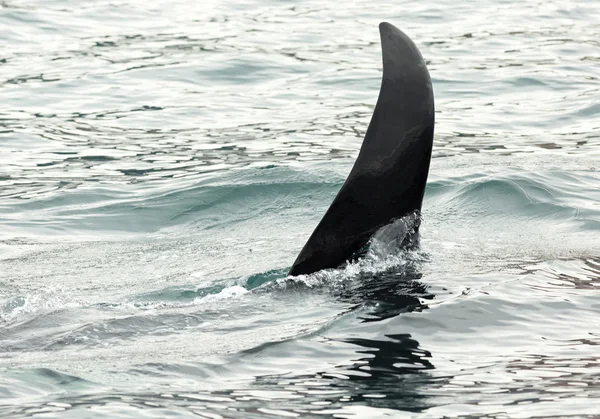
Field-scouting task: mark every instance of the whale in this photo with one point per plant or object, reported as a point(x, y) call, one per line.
point(387, 181)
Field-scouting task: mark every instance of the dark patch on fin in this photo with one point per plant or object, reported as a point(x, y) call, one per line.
point(389, 176)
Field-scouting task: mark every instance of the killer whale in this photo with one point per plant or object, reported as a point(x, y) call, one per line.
point(388, 178)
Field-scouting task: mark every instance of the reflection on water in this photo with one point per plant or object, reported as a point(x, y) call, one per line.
point(389, 293)
point(385, 374)
point(380, 373)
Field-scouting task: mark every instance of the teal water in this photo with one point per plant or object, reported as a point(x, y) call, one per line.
point(162, 164)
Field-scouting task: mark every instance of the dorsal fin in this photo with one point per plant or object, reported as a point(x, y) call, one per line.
point(389, 176)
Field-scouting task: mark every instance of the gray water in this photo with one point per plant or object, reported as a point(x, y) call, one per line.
point(162, 164)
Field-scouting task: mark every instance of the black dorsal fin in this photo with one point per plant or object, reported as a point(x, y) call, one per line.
point(389, 176)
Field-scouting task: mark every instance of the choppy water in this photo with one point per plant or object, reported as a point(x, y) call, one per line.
point(162, 163)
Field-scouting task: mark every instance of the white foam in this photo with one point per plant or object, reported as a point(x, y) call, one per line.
point(387, 249)
point(228, 293)
point(45, 300)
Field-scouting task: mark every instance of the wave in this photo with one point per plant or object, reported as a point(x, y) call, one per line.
point(262, 192)
point(551, 196)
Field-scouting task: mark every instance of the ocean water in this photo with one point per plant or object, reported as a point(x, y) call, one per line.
point(163, 163)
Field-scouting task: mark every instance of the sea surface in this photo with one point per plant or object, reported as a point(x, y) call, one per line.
point(162, 164)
